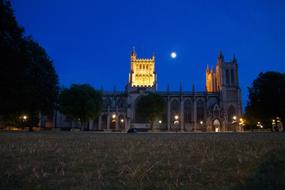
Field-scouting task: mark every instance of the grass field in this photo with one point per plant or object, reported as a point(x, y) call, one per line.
point(78, 160)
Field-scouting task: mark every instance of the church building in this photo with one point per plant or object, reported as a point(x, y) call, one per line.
point(214, 110)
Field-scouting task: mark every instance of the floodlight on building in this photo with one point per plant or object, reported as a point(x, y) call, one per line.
point(241, 122)
point(122, 120)
point(176, 117)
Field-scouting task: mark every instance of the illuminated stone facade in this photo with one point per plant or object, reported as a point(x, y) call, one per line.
point(216, 109)
point(142, 72)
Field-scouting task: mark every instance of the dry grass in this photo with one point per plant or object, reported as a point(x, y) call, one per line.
point(78, 160)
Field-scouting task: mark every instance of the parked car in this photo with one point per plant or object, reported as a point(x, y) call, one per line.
point(132, 130)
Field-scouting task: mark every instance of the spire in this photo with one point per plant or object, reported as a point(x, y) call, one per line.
point(193, 87)
point(115, 89)
point(133, 52)
point(208, 69)
point(153, 56)
point(234, 59)
point(212, 70)
point(220, 56)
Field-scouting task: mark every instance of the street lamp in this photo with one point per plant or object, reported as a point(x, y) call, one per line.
point(259, 124)
point(176, 117)
point(201, 122)
point(113, 116)
point(241, 123)
point(234, 123)
point(176, 122)
point(159, 121)
point(25, 117)
point(122, 120)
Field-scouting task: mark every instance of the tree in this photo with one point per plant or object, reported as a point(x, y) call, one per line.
point(81, 102)
point(150, 107)
point(28, 80)
point(266, 98)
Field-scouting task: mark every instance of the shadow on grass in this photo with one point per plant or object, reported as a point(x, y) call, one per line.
point(270, 174)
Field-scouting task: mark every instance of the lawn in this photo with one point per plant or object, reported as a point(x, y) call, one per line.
point(86, 160)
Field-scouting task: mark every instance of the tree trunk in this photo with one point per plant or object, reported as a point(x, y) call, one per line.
point(82, 124)
point(40, 120)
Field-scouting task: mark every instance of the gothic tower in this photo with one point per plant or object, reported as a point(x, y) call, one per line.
point(142, 72)
point(225, 81)
point(228, 84)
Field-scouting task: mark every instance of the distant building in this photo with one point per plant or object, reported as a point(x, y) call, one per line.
point(216, 109)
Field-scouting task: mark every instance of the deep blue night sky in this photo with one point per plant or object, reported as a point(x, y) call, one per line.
point(90, 40)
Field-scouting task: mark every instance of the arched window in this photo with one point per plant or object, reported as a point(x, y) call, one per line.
point(104, 121)
point(174, 109)
point(232, 77)
point(227, 77)
point(231, 113)
point(121, 122)
point(187, 111)
point(200, 111)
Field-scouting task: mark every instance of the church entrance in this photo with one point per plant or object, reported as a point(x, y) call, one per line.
point(216, 125)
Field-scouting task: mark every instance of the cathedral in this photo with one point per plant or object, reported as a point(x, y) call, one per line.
point(216, 109)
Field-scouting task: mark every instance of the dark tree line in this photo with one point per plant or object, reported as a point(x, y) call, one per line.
point(266, 99)
point(29, 83)
point(28, 80)
point(80, 102)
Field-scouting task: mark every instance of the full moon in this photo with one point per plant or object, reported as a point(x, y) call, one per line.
point(173, 55)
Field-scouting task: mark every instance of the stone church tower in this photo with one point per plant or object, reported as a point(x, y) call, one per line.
point(142, 73)
point(225, 81)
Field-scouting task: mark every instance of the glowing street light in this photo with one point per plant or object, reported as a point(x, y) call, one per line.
point(241, 121)
point(176, 117)
point(25, 117)
point(259, 124)
point(122, 120)
point(201, 122)
point(113, 116)
point(159, 121)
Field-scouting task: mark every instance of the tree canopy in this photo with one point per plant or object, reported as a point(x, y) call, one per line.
point(150, 107)
point(28, 80)
point(266, 98)
point(80, 102)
